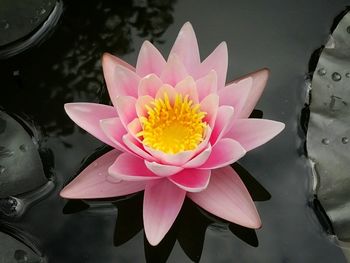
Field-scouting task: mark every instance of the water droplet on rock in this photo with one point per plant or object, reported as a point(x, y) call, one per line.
point(2, 169)
point(336, 76)
point(347, 75)
point(321, 72)
point(325, 141)
point(348, 29)
point(345, 140)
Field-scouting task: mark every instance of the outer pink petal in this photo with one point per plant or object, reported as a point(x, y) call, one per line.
point(191, 180)
point(236, 95)
point(92, 181)
point(174, 71)
point(225, 152)
point(149, 60)
point(223, 123)
point(188, 87)
point(109, 61)
point(259, 82)
point(207, 85)
point(126, 109)
point(228, 198)
point(186, 47)
point(114, 130)
point(130, 168)
point(162, 169)
point(161, 205)
point(88, 116)
point(120, 80)
point(251, 133)
point(149, 85)
point(199, 159)
point(218, 61)
point(210, 105)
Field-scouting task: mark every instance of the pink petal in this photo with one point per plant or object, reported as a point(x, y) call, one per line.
point(174, 71)
point(224, 152)
point(149, 60)
point(177, 159)
point(141, 105)
point(223, 123)
point(236, 95)
point(251, 133)
point(109, 61)
point(228, 198)
point(92, 181)
point(128, 167)
point(259, 82)
point(191, 180)
point(186, 47)
point(188, 87)
point(199, 159)
point(120, 80)
point(161, 205)
point(134, 127)
point(125, 106)
point(169, 90)
point(149, 85)
point(218, 61)
point(207, 85)
point(162, 169)
point(210, 105)
point(135, 146)
point(114, 130)
point(88, 116)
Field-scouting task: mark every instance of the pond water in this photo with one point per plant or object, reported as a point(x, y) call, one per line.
point(66, 67)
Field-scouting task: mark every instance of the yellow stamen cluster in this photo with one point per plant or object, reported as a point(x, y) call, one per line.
point(172, 127)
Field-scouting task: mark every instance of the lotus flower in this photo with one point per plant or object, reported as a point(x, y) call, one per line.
point(176, 128)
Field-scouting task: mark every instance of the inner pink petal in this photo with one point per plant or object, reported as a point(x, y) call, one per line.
point(191, 180)
point(174, 71)
point(149, 85)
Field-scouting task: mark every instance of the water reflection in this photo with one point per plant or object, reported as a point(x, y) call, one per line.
point(67, 67)
point(189, 228)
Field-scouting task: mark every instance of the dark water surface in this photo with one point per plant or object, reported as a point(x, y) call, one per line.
point(280, 35)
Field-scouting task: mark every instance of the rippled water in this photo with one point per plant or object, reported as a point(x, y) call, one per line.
point(66, 67)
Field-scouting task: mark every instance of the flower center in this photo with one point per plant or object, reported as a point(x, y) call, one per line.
point(173, 127)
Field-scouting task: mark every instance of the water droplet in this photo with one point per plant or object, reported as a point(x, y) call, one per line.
point(347, 75)
point(321, 72)
point(345, 140)
point(6, 26)
point(348, 29)
point(42, 11)
point(8, 206)
point(336, 76)
point(20, 256)
point(2, 169)
point(325, 141)
point(15, 73)
point(23, 148)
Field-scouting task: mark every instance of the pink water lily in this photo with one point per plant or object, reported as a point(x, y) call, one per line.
point(175, 128)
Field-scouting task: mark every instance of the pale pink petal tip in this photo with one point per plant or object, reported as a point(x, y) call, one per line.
point(251, 133)
point(88, 116)
point(228, 198)
point(161, 205)
point(92, 182)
